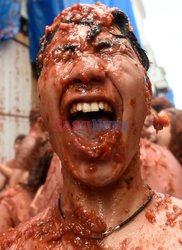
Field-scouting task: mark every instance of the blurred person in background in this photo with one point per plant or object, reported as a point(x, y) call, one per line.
point(29, 151)
point(159, 169)
point(33, 156)
point(160, 102)
point(170, 136)
point(48, 193)
point(15, 202)
point(34, 144)
point(8, 169)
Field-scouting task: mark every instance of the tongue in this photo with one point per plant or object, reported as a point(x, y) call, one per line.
point(90, 125)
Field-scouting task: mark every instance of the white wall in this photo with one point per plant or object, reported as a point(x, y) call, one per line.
point(162, 28)
point(15, 94)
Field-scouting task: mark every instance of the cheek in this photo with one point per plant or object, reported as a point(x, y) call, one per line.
point(164, 137)
point(50, 90)
point(128, 78)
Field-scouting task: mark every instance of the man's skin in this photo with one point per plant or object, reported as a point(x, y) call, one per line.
point(102, 182)
point(33, 154)
point(15, 206)
point(160, 169)
point(21, 202)
point(13, 176)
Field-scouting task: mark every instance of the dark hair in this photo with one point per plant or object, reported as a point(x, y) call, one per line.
point(19, 137)
point(160, 102)
point(119, 19)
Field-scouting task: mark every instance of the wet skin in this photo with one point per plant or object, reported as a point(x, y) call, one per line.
point(102, 182)
point(105, 69)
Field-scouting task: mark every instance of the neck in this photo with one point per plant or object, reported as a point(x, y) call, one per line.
point(112, 204)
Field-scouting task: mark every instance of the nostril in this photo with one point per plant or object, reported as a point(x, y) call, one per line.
point(77, 80)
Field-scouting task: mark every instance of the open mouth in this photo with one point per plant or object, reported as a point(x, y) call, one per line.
point(89, 119)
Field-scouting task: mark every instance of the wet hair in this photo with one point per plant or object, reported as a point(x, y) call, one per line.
point(119, 19)
point(19, 138)
point(33, 116)
point(160, 102)
point(176, 132)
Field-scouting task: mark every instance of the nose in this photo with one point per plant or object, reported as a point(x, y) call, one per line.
point(87, 70)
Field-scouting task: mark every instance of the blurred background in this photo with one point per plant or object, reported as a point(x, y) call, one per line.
point(157, 24)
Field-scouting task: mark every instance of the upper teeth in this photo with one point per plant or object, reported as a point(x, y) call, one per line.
point(90, 107)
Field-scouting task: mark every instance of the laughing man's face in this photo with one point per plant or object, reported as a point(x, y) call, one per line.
point(90, 80)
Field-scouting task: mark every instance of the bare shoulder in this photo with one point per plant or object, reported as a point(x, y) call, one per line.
point(159, 227)
point(167, 209)
point(42, 231)
point(163, 222)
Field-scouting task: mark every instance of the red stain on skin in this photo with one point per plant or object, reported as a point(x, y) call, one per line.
point(92, 169)
point(126, 211)
point(47, 116)
point(163, 202)
point(133, 102)
point(150, 216)
point(129, 181)
point(134, 131)
point(180, 224)
point(120, 157)
point(160, 122)
point(132, 124)
point(172, 216)
point(49, 231)
point(180, 241)
point(125, 243)
point(138, 248)
point(79, 226)
point(75, 14)
point(83, 223)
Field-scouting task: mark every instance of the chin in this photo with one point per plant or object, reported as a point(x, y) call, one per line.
point(97, 174)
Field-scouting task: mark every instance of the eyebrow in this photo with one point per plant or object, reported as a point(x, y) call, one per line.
point(65, 47)
point(103, 44)
point(69, 46)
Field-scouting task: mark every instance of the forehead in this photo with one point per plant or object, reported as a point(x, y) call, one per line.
point(74, 33)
